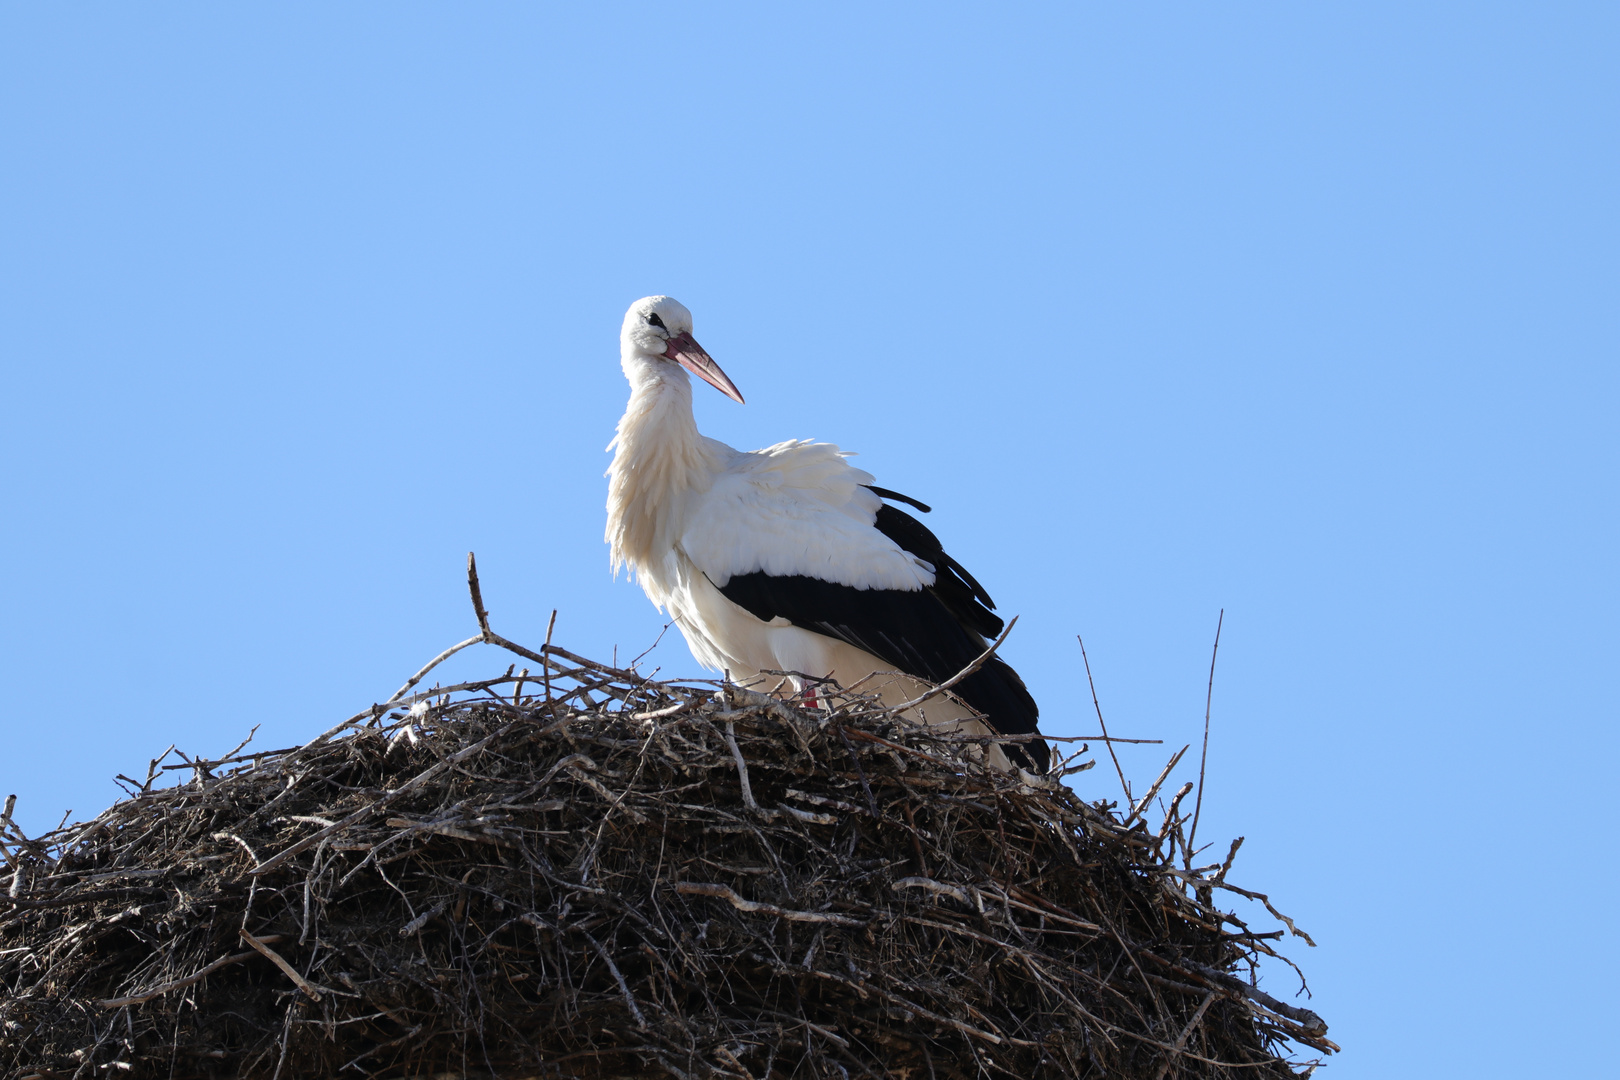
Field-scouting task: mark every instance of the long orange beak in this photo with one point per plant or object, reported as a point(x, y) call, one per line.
point(690, 355)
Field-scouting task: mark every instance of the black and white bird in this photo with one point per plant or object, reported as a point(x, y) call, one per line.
point(789, 558)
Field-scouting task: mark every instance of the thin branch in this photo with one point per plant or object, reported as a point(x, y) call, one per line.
point(477, 593)
point(624, 987)
point(260, 945)
point(742, 767)
point(1197, 1018)
point(180, 984)
point(1203, 758)
point(1175, 805)
point(1102, 738)
point(545, 654)
point(644, 652)
point(414, 679)
point(152, 769)
point(964, 673)
point(1312, 1023)
point(724, 892)
point(1123, 786)
point(1147, 799)
point(1227, 865)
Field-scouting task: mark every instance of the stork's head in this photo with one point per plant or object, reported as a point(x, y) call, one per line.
point(658, 330)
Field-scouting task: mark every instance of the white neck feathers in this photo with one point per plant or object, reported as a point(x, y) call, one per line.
point(659, 462)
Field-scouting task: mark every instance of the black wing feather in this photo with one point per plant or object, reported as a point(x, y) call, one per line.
point(895, 496)
point(932, 633)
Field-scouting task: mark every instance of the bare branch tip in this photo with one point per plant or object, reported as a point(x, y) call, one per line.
point(477, 593)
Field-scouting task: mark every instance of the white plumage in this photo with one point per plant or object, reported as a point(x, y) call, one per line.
point(774, 559)
point(797, 508)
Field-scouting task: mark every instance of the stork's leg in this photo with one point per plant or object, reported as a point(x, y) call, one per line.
point(806, 692)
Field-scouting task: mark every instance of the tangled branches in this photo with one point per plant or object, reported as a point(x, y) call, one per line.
point(597, 875)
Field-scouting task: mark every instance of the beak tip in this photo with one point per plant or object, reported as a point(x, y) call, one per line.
point(690, 355)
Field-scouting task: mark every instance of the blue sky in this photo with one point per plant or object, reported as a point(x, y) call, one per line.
point(1306, 312)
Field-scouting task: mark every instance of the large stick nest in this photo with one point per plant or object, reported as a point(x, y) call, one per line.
point(598, 875)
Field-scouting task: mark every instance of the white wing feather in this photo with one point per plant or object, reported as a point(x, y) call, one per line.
point(797, 508)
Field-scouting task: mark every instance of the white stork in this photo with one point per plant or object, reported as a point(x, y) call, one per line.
point(788, 558)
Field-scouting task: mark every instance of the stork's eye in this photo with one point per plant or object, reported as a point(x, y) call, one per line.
point(656, 321)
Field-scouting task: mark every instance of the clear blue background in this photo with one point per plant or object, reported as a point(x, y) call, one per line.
point(1306, 311)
